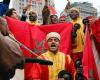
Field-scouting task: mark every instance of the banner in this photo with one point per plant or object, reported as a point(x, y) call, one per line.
point(96, 34)
point(89, 65)
point(34, 37)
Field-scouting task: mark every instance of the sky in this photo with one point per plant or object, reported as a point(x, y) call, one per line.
point(60, 4)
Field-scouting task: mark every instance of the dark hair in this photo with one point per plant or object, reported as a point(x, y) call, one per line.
point(32, 12)
point(10, 12)
point(78, 63)
point(53, 15)
point(65, 74)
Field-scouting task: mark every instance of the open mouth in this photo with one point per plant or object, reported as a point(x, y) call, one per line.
point(53, 45)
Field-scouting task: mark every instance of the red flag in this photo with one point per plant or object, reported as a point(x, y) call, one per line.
point(34, 37)
point(52, 9)
point(89, 65)
point(21, 32)
point(95, 26)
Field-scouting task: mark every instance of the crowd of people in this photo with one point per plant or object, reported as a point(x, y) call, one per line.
point(64, 66)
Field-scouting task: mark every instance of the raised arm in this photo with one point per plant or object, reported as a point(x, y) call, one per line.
point(45, 13)
point(67, 5)
point(24, 12)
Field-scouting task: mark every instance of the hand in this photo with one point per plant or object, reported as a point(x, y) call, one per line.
point(4, 27)
point(11, 54)
point(26, 8)
point(46, 2)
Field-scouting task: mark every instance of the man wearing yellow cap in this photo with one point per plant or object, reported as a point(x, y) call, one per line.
point(59, 59)
point(78, 45)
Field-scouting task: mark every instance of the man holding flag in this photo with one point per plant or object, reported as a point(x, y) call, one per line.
point(89, 64)
point(77, 46)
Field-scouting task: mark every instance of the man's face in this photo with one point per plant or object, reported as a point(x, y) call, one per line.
point(14, 14)
point(32, 16)
point(54, 19)
point(74, 14)
point(53, 44)
point(62, 20)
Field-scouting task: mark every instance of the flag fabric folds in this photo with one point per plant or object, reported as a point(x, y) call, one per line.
point(89, 65)
point(34, 37)
point(96, 34)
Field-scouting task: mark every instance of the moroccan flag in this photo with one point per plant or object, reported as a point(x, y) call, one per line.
point(89, 65)
point(34, 37)
point(31, 35)
point(95, 26)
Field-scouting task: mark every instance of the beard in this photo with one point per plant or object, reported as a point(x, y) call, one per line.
point(32, 18)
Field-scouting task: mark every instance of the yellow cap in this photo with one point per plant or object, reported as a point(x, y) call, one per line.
point(53, 34)
point(74, 9)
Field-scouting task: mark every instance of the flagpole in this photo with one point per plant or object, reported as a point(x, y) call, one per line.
point(23, 46)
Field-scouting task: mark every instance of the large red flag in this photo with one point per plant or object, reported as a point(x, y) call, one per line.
point(63, 29)
point(89, 65)
point(34, 37)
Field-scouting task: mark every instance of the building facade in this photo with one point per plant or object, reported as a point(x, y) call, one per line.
point(37, 6)
point(85, 8)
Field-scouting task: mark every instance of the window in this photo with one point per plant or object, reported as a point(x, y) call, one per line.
point(22, 0)
point(33, 2)
point(19, 3)
point(19, 7)
point(26, 0)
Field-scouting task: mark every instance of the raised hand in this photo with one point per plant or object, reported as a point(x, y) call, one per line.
point(46, 2)
point(26, 8)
